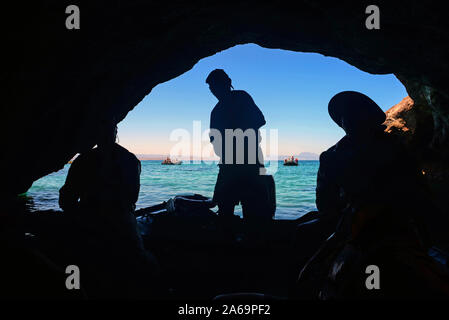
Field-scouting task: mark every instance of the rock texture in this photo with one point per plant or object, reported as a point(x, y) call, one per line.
point(58, 83)
point(412, 124)
point(400, 118)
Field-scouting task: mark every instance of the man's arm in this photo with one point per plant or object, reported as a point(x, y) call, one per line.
point(137, 181)
point(215, 135)
point(69, 193)
point(212, 126)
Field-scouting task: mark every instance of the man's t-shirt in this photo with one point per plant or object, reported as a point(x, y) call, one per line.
point(237, 111)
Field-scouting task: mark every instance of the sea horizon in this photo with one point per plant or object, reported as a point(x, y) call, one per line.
point(302, 156)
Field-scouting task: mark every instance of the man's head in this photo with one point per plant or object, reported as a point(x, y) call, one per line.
point(108, 132)
point(219, 83)
point(355, 113)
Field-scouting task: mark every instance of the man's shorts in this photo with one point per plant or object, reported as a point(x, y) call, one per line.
point(239, 184)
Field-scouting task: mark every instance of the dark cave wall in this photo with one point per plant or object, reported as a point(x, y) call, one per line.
point(58, 83)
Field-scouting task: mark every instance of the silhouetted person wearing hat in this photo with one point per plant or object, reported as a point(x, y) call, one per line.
point(367, 167)
point(369, 182)
point(235, 122)
point(100, 193)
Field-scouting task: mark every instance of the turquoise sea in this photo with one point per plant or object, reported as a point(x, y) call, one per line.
point(295, 186)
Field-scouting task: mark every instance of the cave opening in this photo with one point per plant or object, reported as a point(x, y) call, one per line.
point(292, 89)
point(59, 82)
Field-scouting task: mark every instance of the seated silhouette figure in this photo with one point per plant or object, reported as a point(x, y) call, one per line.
point(235, 122)
point(104, 182)
point(370, 184)
point(100, 193)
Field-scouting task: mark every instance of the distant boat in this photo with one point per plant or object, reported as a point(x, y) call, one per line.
point(291, 161)
point(169, 161)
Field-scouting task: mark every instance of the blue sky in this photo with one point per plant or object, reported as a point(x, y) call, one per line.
point(292, 89)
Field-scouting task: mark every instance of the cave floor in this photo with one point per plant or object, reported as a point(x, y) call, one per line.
point(205, 259)
point(201, 258)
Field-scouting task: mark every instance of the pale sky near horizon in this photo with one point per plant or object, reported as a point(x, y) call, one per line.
point(292, 90)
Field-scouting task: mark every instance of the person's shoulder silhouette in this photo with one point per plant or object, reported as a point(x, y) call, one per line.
point(250, 114)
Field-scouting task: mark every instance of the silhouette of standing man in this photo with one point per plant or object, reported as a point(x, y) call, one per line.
point(235, 122)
